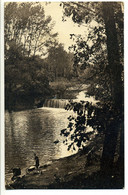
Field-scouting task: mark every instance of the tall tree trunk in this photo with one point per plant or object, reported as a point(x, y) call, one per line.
point(115, 70)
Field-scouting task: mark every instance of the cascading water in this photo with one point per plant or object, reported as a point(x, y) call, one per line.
point(55, 103)
point(61, 103)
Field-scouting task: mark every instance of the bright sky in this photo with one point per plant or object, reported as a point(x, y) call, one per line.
point(64, 29)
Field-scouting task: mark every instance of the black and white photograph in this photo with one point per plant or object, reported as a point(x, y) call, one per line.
point(64, 95)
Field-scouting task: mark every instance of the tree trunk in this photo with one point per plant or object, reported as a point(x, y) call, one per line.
point(115, 70)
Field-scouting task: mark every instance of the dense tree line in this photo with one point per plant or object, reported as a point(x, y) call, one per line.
point(32, 55)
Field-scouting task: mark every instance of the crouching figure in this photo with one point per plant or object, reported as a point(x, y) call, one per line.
point(16, 173)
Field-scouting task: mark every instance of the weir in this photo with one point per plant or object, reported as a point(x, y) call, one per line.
point(55, 103)
point(61, 103)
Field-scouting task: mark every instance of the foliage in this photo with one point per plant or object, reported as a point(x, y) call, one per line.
point(28, 36)
point(27, 26)
point(90, 51)
point(60, 62)
point(77, 130)
point(26, 79)
point(98, 70)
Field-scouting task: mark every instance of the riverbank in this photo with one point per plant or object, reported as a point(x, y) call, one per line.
point(73, 172)
point(65, 89)
point(61, 88)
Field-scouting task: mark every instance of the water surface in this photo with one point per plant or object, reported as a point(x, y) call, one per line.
point(34, 131)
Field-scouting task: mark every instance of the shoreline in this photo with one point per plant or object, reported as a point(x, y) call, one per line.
point(61, 171)
point(73, 172)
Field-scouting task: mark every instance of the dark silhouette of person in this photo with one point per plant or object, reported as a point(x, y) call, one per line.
point(36, 161)
point(16, 173)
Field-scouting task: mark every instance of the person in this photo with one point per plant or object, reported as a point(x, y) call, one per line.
point(37, 161)
point(16, 173)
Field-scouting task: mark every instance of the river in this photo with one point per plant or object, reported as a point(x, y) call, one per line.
point(34, 131)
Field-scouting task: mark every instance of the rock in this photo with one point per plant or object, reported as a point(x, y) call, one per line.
point(31, 168)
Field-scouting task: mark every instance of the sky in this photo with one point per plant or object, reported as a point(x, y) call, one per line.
point(64, 29)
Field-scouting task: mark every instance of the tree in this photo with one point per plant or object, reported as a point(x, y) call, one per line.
point(115, 69)
point(27, 26)
point(26, 83)
point(28, 36)
point(59, 62)
point(107, 116)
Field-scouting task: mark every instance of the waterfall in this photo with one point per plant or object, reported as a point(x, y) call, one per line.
point(61, 103)
point(55, 103)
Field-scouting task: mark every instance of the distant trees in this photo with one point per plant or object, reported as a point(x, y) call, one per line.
point(105, 76)
point(60, 63)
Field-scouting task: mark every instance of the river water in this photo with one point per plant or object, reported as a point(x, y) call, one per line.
point(34, 131)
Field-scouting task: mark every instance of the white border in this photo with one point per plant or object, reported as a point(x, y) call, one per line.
point(2, 148)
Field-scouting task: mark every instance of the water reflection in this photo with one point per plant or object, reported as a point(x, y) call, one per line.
point(34, 131)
